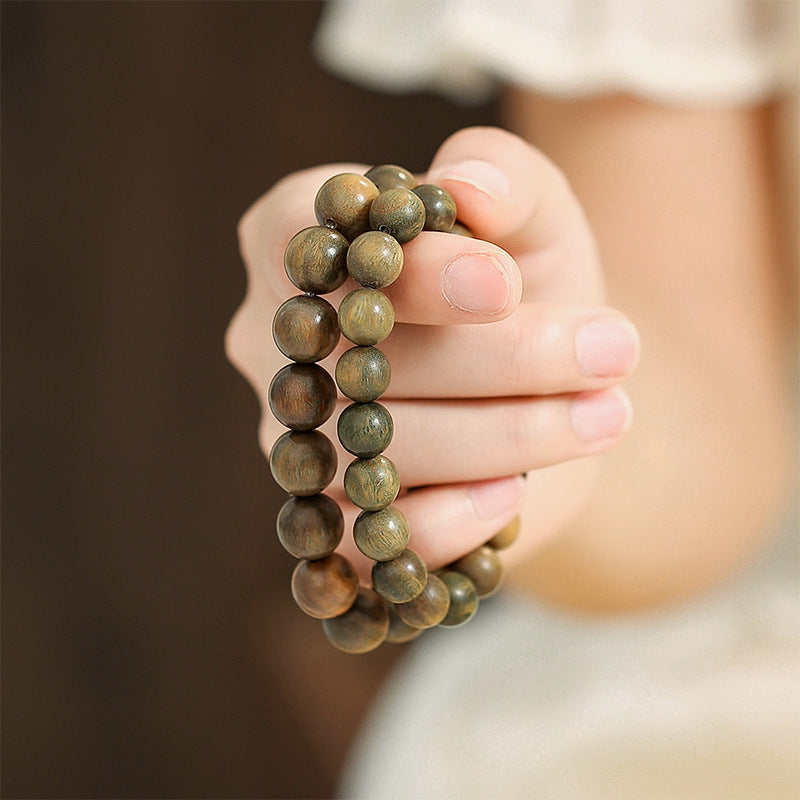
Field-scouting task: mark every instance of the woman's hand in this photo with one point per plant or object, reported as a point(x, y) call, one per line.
point(504, 359)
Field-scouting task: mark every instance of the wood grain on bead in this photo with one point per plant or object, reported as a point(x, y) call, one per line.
point(365, 429)
point(316, 260)
point(375, 259)
point(440, 208)
point(399, 632)
point(306, 328)
point(371, 483)
point(381, 535)
point(310, 527)
point(366, 316)
point(429, 608)
point(398, 212)
point(363, 627)
point(463, 599)
point(484, 568)
point(303, 463)
point(324, 588)
point(363, 374)
point(343, 202)
point(506, 536)
point(302, 396)
point(390, 176)
point(400, 579)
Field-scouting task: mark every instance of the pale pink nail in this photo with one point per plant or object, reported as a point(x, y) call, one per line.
point(601, 415)
point(476, 283)
point(492, 499)
point(607, 347)
point(481, 175)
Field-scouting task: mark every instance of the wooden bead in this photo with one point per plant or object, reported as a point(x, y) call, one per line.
point(463, 598)
point(310, 527)
point(303, 463)
point(363, 374)
point(484, 568)
point(316, 260)
point(375, 259)
point(440, 208)
point(401, 579)
point(381, 535)
point(343, 202)
point(325, 588)
point(399, 632)
point(302, 396)
point(461, 229)
point(371, 483)
point(390, 176)
point(505, 536)
point(429, 607)
point(366, 316)
point(306, 328)
point(365, 429)
point(363, 627)
point(398, 212)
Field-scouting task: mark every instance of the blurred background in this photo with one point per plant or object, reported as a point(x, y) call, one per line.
point(150, 644)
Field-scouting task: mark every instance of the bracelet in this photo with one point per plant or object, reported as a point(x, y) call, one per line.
point(363, 222)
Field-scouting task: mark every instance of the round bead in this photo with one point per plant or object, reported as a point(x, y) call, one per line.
point(428, 608)
point(461, 229)
point(440, 208)
point(303, 463)
point(324, 588)
point(381, 535)
point(306, 328)
point(302, 396)
point(390, 176)
point(399, 632)
point(310, 527)
point(366, 316)
point(505, 536)
point(398, 212)
point(363, 627)
point(316, 260)
point(375, 259)
point(371, 483)
point(463, 599)
point(400, 579)
point(365, 429)
point(363, 374)
point(484, 568)
point(343, 202)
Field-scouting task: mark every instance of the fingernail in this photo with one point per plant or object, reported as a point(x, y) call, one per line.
point(476, 283)
point(607, 347)
point(601, 415)
point(481, 175)
point(492, 499)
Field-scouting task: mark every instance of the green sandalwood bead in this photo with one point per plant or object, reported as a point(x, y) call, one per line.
point(400, 579)
point(428, 608)
point(366, 316)
point(463, 599)
point(371, 483)
point(316, 260)
point(440, 208)
point(363, 374)
point(310, 527)
point(381, 535)
point(398, 212)
point(343, 202)
point(325, 588)
point(306, 328)
point(365, 429)
point(484, 568)
point(505, 536)
point(303, 463)
point(375, 259)
point(399, 632)
point(302, 396)
point(390, 176)
point(461, 229)
point(363, 627)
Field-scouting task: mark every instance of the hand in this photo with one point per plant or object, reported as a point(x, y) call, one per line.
point(504, 360)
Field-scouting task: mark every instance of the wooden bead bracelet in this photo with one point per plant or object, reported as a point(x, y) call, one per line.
point(363, 222)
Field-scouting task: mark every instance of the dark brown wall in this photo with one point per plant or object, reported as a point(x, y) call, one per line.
point(150, 646)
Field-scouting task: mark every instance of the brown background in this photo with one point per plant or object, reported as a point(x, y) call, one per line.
point(150, 646)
